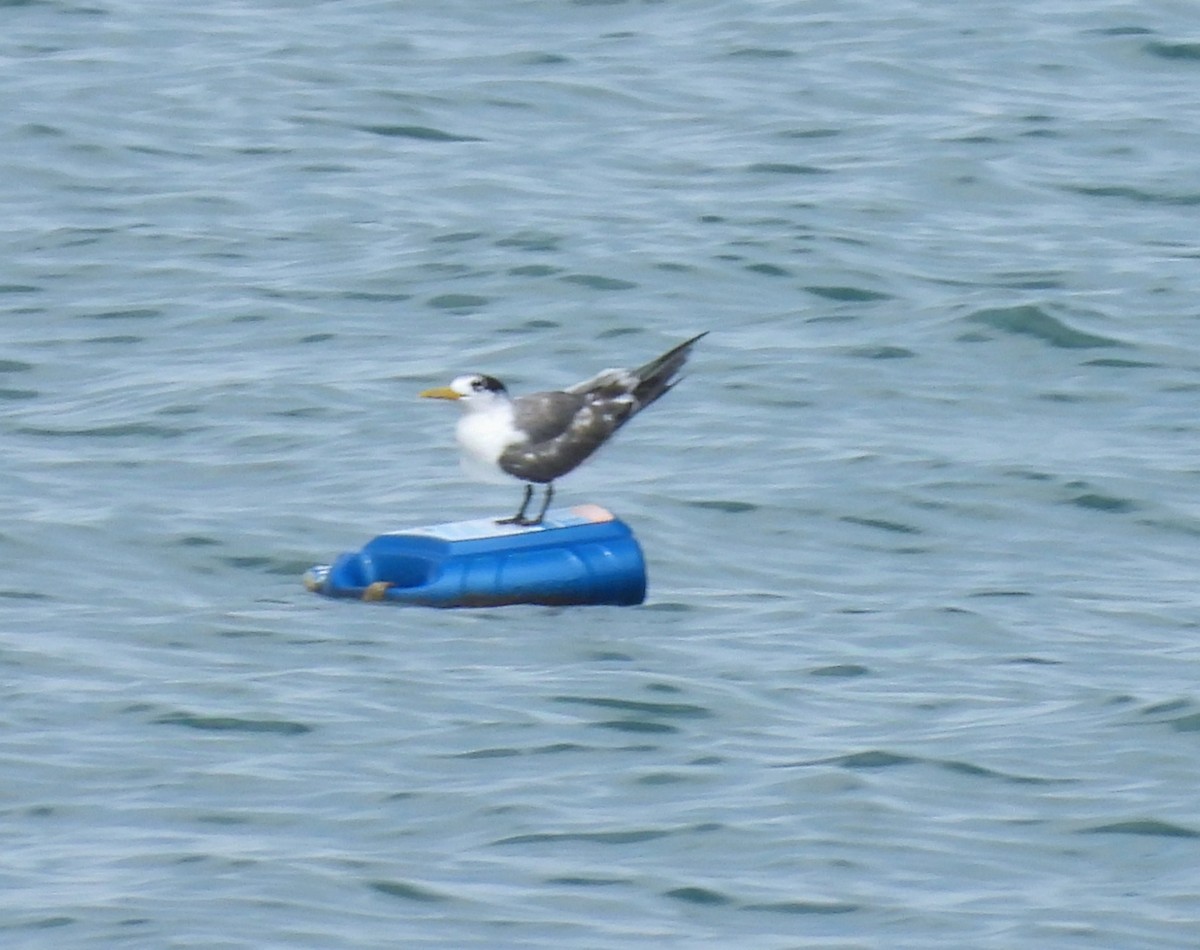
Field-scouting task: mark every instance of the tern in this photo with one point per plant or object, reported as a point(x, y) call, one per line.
point(539, 437)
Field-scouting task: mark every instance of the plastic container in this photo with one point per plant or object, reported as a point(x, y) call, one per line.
point(578, 555)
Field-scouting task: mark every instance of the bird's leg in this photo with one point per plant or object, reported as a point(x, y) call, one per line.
point(519, 517)
point(545, 504)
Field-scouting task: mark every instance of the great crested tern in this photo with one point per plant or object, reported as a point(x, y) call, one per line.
point(539, 437)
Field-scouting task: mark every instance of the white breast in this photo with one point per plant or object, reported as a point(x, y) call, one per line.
point(482, 436)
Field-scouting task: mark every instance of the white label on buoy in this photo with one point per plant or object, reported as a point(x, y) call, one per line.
point(469, 530)
point(478, 528)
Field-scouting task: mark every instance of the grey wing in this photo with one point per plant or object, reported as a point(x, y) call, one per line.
point(589, 428)
point(545, 415)
point(566, 427)
point(646, 383)
point(623, 379)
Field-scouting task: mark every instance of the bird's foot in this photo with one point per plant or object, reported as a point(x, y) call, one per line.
point(520, 521)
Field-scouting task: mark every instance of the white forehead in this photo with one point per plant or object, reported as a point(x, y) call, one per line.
point(464, 385)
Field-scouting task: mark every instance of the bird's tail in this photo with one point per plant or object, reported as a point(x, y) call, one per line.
point(658, 376)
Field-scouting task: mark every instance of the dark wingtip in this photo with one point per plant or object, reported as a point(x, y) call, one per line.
point(658, 376)
point(687, 344)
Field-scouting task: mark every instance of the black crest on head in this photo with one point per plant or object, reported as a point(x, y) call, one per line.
point(489, 383)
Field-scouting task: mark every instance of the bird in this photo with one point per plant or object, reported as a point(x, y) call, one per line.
point(539, 437)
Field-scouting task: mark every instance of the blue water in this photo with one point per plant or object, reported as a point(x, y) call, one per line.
point(919, 662)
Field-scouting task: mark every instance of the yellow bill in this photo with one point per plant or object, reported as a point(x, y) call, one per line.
point(441, 392)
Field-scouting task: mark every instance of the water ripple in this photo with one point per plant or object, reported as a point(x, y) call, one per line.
point(918, 658)
point(881, 759)
point(419, 132)
point(1187, 52)
point(406, 891)
point(1142, 828)
point(233, 724)
point(1037, 323)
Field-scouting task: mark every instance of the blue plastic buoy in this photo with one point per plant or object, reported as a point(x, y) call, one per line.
point(578, 555)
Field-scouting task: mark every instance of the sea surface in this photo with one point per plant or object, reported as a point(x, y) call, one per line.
point(920, 662)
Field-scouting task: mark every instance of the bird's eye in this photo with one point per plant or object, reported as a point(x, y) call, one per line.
point(478, 385)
